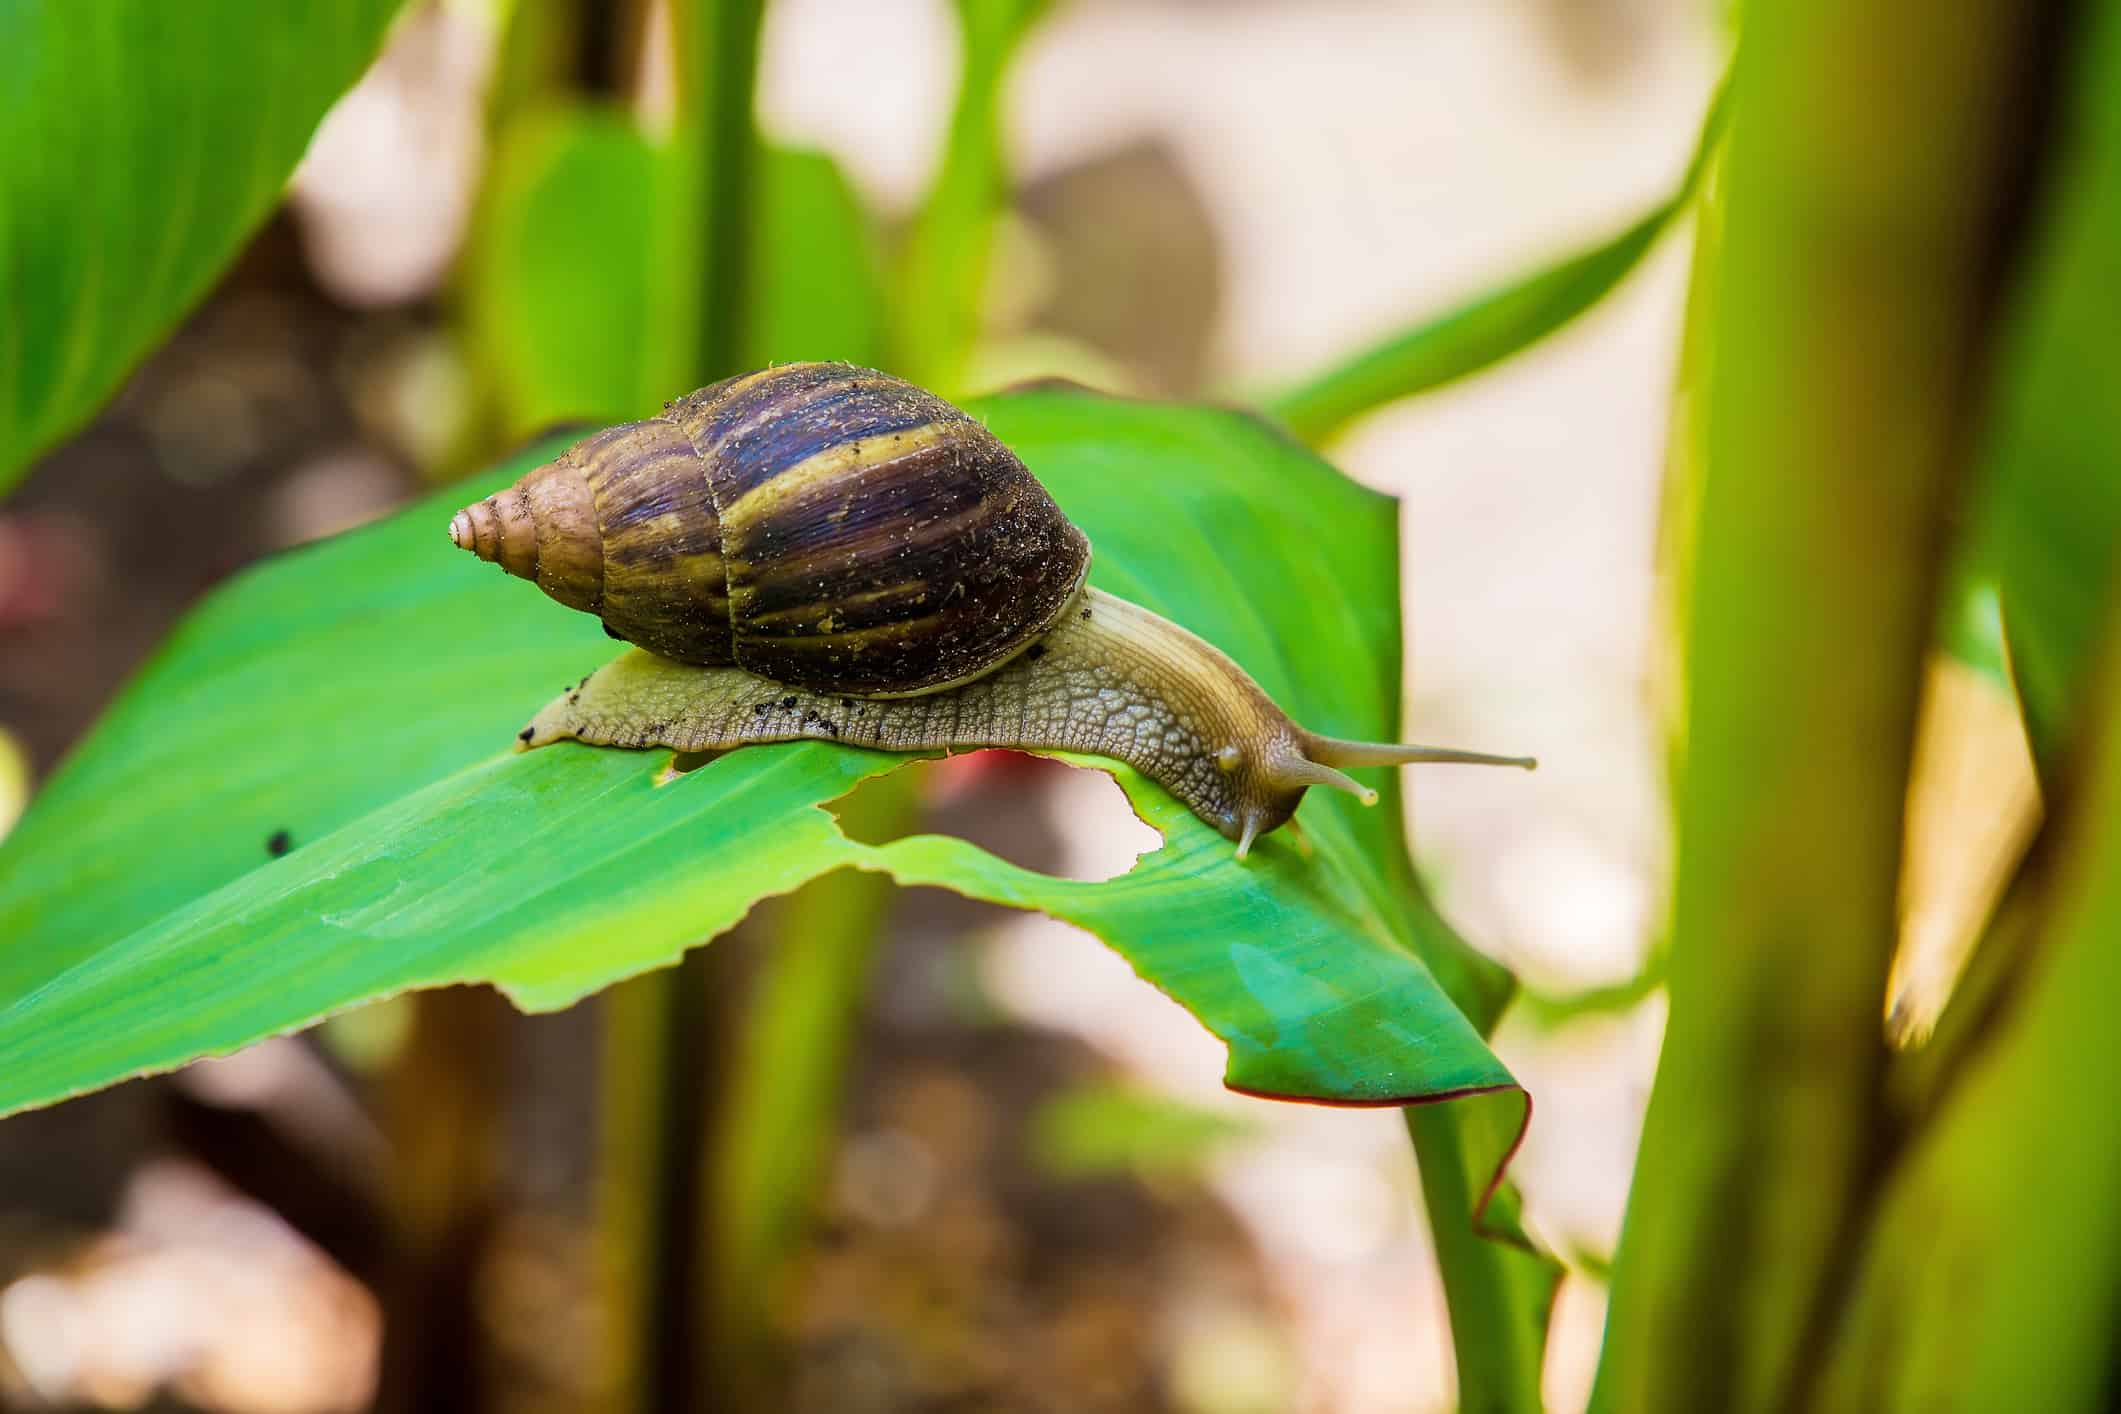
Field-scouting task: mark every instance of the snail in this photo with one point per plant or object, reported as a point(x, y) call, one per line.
point(822, 551)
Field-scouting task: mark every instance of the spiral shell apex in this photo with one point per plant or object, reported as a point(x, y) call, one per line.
point(824, 526)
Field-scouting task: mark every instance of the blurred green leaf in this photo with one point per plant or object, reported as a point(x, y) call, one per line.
point(1490, 328)
point(1973, 627)
point(2047, 515)
point(820, 284)
point(362, 694)
point(568, 297)
point(1106, 1129)
point(712, 241)
point(140, 145)
point(942, 286)
point(565, 299)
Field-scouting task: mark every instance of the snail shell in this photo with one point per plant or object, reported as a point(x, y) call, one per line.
point(821, 525)
point(840, 532)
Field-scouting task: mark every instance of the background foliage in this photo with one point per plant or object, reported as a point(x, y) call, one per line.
point(1889, 425)
point(140, 154)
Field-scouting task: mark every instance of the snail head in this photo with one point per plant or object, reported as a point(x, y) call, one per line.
point(1268, 782)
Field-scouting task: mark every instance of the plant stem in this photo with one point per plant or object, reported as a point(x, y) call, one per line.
point(1499, 1291)
point(1989, 1277)
point(1500, 1294)
point(1864, 191)
point(1991, 1274)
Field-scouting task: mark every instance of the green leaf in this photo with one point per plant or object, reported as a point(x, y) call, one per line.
point(141, 143)
point(362, 694)
point(1105, 1129)
point(568, 296)
point(1491, 327)
point(942, 285)
point(2048, 514)
point(565, 297)
point(709, 230)
point(820, 284)
point(1972, 626)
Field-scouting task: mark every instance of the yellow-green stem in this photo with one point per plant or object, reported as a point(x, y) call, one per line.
point(1865, 191)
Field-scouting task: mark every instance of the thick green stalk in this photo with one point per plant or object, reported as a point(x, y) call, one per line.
point(1993, 1277)
point(943, 277)
point(1685, 470)
point(1865, 187)
point(1990, 1278)
point(1488, 329)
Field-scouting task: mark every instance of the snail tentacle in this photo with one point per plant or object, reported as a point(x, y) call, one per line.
point(1336, 751)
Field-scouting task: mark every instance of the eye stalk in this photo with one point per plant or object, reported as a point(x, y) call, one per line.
point(1301, 759)
point(1334, 751)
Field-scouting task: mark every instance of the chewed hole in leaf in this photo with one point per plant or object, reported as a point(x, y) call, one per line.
point(684, 763)
point(1036, 813)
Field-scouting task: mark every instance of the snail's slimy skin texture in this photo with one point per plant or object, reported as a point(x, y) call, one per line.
point(1110, 679)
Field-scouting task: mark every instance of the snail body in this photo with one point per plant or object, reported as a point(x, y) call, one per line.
point(820, 551)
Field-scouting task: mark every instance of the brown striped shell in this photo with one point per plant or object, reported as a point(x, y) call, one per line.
point(822, 525)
